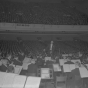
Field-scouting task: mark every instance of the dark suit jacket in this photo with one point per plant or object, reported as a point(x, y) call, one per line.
point(3, 68)
point(32, 68)
point(15, 62)
point(21, 57)
point(10, 68)
point(40, 63)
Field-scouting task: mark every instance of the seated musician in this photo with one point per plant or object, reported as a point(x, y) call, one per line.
point(32, 69)
point(21, 56)
point(16, 61)
point(10, 68)
point(40, 61)
point(4, 65)
point(9, 57)
point(49, 62)
point(57, 59)
point(27, 59)
point(26, 62)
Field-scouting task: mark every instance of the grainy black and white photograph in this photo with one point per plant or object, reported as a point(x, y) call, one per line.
point(43, 43)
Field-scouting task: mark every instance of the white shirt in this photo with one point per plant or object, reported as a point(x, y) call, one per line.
point(27, 60)
point(25, 66)
point(9, 57)
point(4, 62)
point(16, 58)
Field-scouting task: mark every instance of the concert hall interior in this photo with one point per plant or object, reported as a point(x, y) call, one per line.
point(43, 44)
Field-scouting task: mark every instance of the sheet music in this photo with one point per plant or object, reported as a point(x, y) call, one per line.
point(72, 66)
point(2, 76)
point(61, 62)
point(56, 67)
point(19, 81)
point(78, 60)
point(66, 68)
point(33, 82)
point(18, 70)
point(8, 80)
point(47, 58)
point(45, 76)
point(83, 72)
point(27, 60)
point(25, 66)
point(45, 70)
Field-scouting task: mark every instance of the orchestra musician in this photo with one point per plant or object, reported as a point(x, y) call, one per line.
point(4, 65)
point(16, 61)
point(11, 68)
point(32, 69)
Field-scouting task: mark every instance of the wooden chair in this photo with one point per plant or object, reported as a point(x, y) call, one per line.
point(61, 82)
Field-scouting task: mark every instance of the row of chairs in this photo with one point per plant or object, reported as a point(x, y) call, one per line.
point(36, 47)
point(9, 47)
